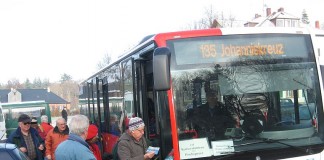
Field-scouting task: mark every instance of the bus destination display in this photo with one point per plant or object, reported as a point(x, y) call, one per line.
point(232, 48)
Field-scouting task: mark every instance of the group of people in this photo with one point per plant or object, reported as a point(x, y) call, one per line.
point(76, 141)
point(43, 141)
point(79, 140)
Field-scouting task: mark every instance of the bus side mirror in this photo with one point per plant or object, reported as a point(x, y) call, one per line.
point(161, 68)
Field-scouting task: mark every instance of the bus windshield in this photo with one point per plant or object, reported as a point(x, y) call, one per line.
point(235, 93)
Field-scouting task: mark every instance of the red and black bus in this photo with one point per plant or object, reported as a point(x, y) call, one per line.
point(266, 81)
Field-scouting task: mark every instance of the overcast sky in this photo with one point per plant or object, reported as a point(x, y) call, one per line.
point(44, 39)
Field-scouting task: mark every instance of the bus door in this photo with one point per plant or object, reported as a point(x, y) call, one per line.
point(152, 106)
point(112, 112)
point(98, 110)
point(91, 101)
point(143, 89)
point(108, 120)
point(134, 90)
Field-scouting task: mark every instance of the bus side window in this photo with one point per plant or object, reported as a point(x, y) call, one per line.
point(42, 112)
point(152, 119)
point(113, 124)
point(1, 115)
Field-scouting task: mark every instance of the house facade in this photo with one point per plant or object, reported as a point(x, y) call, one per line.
point(274, 19)
point(55, 102)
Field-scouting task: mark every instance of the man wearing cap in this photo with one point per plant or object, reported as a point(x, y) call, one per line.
point(27, 138)
point(39, 129)
point(132, 144)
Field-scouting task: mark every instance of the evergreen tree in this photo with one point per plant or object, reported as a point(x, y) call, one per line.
point(28, 84)
point(45, 83)
point(304, 18)
point(37, 83)
point(65, 77)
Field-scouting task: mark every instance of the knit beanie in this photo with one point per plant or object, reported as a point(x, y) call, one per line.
point(135, 123)
point(92, 131)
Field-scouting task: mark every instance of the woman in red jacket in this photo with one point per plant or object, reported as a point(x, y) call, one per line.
point(92, 138)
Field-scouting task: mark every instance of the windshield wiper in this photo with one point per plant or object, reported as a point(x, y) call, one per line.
point(307, 150)
point(268, 141)
point(271, 141)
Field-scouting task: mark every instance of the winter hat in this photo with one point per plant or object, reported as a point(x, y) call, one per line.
point(92, 131)
point(34, 120)
point(135, 123)
point(24, 118)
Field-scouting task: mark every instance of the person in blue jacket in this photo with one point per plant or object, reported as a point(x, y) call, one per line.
point(27, 139)
point(75, 147)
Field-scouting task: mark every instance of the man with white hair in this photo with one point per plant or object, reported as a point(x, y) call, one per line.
point(56, 136)
point(75, 147)
point(45, 126)
point(132, 144)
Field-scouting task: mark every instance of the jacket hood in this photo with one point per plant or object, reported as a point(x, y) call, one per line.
point(65, 132)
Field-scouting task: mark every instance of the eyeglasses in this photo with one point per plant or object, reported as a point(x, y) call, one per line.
point(25, 123)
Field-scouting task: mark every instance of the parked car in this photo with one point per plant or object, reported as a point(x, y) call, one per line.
point(307, 113)
point(10, 151)
point(286, 101)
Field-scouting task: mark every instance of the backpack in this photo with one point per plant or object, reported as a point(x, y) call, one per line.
point(115, 151)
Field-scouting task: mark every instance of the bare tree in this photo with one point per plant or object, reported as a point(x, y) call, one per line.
point(229, 21)
point(67, 89)
point(13, 83)
point(211, 15)
point(213, 19)
point(104, 62)
point(205, 22)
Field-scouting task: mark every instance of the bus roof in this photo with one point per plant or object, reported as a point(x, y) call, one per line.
point(149, 41)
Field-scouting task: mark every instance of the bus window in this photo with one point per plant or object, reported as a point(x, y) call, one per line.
point(32, 112)
point(13, 110)
point(128, 98)
point(2, 125)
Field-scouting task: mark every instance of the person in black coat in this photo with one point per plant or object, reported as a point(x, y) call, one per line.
point(212, 118)
point(27, 139)
point(64, 114)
